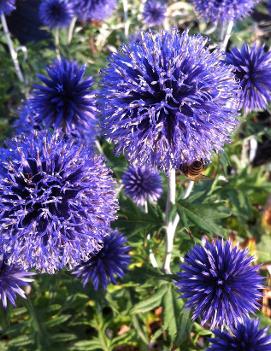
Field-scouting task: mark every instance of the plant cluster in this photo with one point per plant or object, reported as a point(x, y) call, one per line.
point(135, 176)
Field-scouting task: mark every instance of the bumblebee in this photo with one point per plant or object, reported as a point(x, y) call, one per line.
point(194, 170)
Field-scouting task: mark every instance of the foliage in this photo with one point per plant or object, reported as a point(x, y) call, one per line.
point(144, 311)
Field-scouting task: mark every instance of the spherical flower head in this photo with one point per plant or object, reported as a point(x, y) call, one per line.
point(223, 11)
point(142, 184)
point(154, 12)
point(56, 13)
point(5, 154)
point(247, 336)
point(95, 10)
point(65, 100)
point(26, 123)
point(253, 70)
point(12, 279)
point(167, 100)
point(110, 263)
point(57, 202)
point(7, 6)
point(220, 284)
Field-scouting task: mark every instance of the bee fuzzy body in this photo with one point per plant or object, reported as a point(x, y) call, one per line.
point(194, 170)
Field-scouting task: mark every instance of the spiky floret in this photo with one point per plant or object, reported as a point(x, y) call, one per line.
point(29, 120)
point(65, 100)
point(142, 184)
point(247, 336)
point(7, 6)
point(154, 12)
point(56, 13)
point(12, 279)
point(253, 70)
point(167, 100)
point(97, 10)
point(221, 285)
point(223, 11)
point(108, 264)
point(26, 123)
point(57, 202)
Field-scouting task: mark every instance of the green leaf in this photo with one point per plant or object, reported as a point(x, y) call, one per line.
point(139, 329)
point(150, 303)
point(172, 307)
point(57, 320)
point(184, 327)
point(21, 341)
point(62, 337)
point(225, 161)
point(132, 220)
point(203, 216)
point(87, 345)
point(263, 249)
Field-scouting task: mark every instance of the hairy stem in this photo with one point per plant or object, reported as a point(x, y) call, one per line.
point(71, 29)
point(12, 51)
point(226, 34)
point(57, 43)
point(171, 224)
point(152, 257)
point(171, 195)
point(188, 190)
point(126, 22)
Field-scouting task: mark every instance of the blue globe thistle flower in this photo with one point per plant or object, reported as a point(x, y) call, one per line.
point(253, 69)
point(65, 100)
point(5, 154)
point(109, 263)
point(220, 284)
point(223, 11)
point(167, 100)
point(57, 202)
point(154, 12)
point(56, 13)
point(246, 337)
point(7, 6)
point(26, 122)
point(12, 279)
point(142, 184)
point(97, 10)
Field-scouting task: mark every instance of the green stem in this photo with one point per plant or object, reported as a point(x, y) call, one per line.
point(12, 51)
point(101, 330)
point(71, 29)
point(57, 43)
point(126, 22)
point(226, 35)
point(171, 224)
point(36, 325)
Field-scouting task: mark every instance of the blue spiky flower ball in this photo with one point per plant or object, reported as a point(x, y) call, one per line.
point(167, 100)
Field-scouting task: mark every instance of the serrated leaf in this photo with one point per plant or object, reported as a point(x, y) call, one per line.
point(203, 216)
point(62, 337)
point(20, 341)
point(57, 320)
point(263, 249)
point(140, 331)
point(150, 303)
point(19, 311)
point(184, 325)
point(172, 307)
point(87, 345)
point(133, 220)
